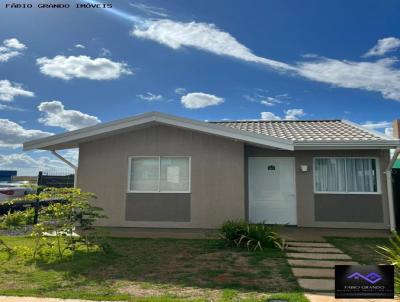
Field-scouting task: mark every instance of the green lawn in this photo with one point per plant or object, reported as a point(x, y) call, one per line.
point(362, 250)
point(153, 270)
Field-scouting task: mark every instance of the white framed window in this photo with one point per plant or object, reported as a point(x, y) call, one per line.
point(346, 175)
point(159, 174)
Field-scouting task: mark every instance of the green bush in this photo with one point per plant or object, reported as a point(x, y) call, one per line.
point(14, 220)
point(57, 222)
point(392, 254)
point(251, 236)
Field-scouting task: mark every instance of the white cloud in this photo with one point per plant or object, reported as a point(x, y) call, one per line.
point(180, 91)
point(150, 97)
point(54, 114)
point(71, 67)
point(12, 135)
point(104, 52)
point(28, 165)
point(11, 48)
point(79, 46)
point(270, 101)
point(389, 131)
point(294, 114)
point(202, 36)
point(150, 10)
point(261, 96)
point(196, 100)
point(383, 46)
point(376, 125)
point(71, 154)
point(8, 107)
point(9, 90)
point(382, 126)
point(14, 43)
point(269, 116)
point(290, 114)
point(380, 76)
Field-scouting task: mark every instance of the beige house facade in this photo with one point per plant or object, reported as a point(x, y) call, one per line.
point(166, 172)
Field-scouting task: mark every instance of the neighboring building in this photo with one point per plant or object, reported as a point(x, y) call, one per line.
point(6, 175)
point(161, 171)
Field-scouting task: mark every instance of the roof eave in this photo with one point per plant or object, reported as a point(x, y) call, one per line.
point(77, 136)
point(322, 145)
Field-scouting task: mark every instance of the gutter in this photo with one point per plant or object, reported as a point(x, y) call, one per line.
point(388, 172)
point(68, 163)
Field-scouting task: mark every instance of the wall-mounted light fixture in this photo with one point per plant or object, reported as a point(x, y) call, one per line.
point(303, 168)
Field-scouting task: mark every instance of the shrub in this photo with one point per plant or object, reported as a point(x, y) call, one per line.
point(17, 220)
point(251, 236)
point(58, 221)
point(392, 254)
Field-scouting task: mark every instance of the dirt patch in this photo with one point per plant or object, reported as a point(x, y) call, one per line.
point(143, 290)
point(194, 273)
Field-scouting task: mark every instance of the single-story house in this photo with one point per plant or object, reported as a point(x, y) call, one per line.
point(161, 171)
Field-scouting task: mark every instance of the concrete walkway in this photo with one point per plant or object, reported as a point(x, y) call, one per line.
point(313, 264)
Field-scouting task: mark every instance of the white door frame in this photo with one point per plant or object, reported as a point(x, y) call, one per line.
point(294, 184)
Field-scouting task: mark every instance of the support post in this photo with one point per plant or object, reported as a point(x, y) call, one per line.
point(69, 164)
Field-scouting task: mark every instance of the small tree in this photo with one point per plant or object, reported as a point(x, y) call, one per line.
point(59, 220)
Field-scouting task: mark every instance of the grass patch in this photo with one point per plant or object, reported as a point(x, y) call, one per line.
point(362, 250)
point(153, 270)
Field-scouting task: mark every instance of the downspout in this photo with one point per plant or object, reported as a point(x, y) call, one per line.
point(389, 184)
point(69, 164)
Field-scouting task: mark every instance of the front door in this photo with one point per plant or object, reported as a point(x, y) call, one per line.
point(272, 193)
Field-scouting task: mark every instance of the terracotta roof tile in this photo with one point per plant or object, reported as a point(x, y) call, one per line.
point(321, 130)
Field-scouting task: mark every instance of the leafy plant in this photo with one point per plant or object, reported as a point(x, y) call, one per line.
point(392, 254)
point(58, 222)
point(16, 220)
point(251, 236)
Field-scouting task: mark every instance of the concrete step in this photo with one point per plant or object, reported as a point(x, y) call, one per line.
point(313, 272)
point(317, 284)
point(318, 256)
point(309, 244)
point(332, 250)
point(319, 263)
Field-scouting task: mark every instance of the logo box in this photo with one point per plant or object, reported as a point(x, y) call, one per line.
point(364, 281)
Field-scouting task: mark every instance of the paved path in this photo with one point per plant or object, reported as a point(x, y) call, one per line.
point(313, 264)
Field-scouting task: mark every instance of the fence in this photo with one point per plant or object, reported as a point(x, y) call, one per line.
point(55, 180)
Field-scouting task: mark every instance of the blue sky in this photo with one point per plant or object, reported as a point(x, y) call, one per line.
point(62, 69)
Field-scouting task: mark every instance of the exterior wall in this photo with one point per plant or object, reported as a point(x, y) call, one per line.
point(334, 210)
point(217, 178)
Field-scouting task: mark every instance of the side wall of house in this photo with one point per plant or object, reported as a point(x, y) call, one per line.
point(217, 178)
point(334, 210)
